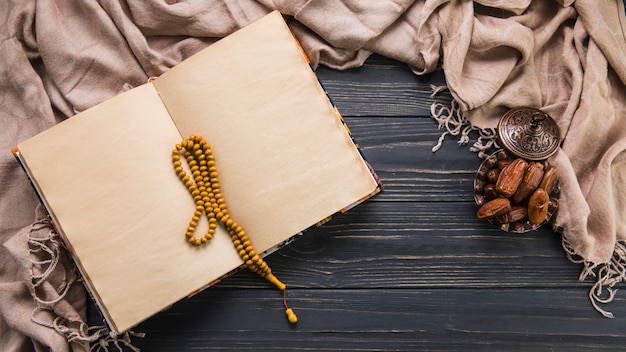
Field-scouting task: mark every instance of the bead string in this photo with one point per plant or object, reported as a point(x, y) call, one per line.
point(204, 187)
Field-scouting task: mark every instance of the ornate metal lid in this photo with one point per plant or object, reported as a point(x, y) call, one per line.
point(529, 133)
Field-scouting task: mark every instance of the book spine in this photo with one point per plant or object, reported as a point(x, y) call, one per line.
point(63, 240)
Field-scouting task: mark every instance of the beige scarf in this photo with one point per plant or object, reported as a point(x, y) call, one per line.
point(564, 57)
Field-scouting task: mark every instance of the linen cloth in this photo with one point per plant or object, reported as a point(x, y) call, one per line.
point(60, 57)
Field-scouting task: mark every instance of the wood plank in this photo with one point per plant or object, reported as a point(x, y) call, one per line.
point(412, 269)
point(418, 244)
point(400, 150)
point(381, 87)
point(387, 108)
point(386, 320)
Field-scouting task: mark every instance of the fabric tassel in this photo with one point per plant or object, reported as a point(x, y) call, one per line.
point(52, 275)
point(607, 275)
point(454, 120)
point(451, 117)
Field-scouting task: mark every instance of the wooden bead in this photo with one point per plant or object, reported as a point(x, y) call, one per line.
point(291, 316)
point(204, 187)
point(273, 279)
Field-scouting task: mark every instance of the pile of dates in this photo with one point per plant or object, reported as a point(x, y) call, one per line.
point(516, 191)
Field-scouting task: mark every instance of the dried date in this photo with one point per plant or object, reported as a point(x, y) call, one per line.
point(511, 177)
point(549, 179)
point(490, 192)
point(538, 206)
point(493, 208)
point(517, 213)
point(516, 192)
point(504, 163)
point(492, 175)
point(530, 182)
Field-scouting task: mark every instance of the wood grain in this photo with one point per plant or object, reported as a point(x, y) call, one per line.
point(386, 320)
point(411, 269)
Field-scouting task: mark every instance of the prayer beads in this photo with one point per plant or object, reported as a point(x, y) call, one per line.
point(204, 187)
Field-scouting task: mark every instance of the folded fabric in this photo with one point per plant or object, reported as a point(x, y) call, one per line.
point(563, 57)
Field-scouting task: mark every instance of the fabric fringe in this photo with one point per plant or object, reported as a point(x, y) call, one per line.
point(46, 251)
point(607, 275)
point(451, 117)
point(454, 120)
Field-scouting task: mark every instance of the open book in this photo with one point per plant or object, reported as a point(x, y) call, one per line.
point(285, 158)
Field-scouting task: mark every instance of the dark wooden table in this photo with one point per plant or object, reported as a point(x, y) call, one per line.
point(411, 269)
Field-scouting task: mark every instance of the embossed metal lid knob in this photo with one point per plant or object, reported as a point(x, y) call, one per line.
point(529, 133)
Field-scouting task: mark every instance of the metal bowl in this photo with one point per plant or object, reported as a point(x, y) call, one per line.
point(480, 181)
